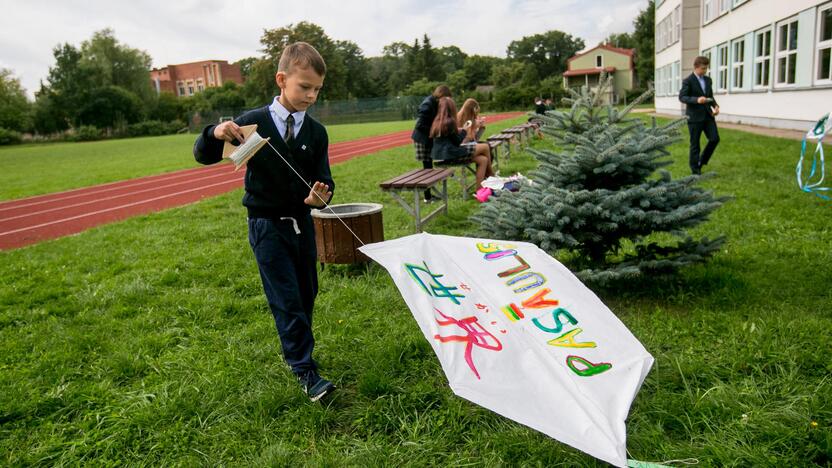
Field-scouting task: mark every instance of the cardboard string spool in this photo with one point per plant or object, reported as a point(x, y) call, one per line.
point(240, 154)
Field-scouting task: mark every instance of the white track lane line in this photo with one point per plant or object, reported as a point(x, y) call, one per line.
point(141, 202)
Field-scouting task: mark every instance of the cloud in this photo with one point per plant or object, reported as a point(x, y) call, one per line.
point(190, 30)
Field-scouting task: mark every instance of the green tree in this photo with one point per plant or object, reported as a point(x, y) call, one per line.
point(529, 76)
point(357, 69)
point(245, 65)
point(458, 82)
point(260, 87)
point(645, 43)
point(622, 40)
point(429, 63)
point(15, 109)
point(548, 52)
point(111, 63)
point(507, 74)
point(111, 107)
point(451, 58)
point(421, 87)
point(478, 69)
point(601, 201)
point(167, 107)
point(68, 86)
point(275, 40)
point(47, 117)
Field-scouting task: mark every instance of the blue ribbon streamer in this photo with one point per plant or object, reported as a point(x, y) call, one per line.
point(818, 161)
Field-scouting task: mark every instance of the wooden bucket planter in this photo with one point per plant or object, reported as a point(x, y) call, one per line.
point(335, 243)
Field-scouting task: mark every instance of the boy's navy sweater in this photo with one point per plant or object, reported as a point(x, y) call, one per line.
point(424, 119)
point(272, 189)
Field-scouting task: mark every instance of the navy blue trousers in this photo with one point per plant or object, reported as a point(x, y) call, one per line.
point(695, 158)
point(287, 262)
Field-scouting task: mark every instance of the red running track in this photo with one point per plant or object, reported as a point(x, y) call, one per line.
point(30, 220)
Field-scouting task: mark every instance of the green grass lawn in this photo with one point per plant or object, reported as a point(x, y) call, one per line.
point(36, 169)
point(149, 342)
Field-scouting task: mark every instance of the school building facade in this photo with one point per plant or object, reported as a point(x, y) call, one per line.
point(771, 60)
point(187, 79)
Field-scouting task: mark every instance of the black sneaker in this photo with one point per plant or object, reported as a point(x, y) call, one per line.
point(314, 386)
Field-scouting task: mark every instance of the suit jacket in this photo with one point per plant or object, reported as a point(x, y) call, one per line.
point(691, 91)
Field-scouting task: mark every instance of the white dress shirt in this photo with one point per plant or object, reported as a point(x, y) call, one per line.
point(280, 114)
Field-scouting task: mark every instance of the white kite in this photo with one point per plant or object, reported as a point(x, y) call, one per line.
point(518, 333)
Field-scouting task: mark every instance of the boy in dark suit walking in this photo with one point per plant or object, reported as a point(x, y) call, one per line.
point(698, 94)
point(280, 228)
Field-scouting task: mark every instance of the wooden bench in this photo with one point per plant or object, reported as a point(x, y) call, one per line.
point(465, 165)
point(502, 139)
point(519, 131)
point(417, 181)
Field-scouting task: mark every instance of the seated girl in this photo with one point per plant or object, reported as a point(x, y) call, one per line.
point(447, 141)
point(470, 112)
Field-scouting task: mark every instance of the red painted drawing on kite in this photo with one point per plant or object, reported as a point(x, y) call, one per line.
point(475, 335)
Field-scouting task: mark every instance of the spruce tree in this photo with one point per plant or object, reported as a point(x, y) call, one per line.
point(601, 201)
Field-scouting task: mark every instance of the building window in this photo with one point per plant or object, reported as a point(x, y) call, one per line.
point(739, 2)
point(707, 54)
point(669, 30)
point(181, 86)
point(824, 46)
point(599, 61)
point(724, 6)
point(787, 53)
point(722, 68)
point(762, 59)
point(707, 10)
point(677, 23)
point(738, 63)
point(677, 77)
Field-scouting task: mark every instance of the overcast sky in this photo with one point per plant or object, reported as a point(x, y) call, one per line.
point(180, 31)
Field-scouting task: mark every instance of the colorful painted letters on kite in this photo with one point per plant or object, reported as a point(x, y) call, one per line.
point(517, 333)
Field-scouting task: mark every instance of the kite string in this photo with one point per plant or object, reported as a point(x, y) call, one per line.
point(313, 191)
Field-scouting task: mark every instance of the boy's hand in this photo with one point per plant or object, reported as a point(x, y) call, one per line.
point(229, 131)
point(320, 191)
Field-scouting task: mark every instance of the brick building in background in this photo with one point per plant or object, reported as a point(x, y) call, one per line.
point(188, 79)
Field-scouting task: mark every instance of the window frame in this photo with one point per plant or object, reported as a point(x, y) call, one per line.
point(599, 58)
point(821, 45)
point(789, 54)
point(677, 23)
point(765, 59)
point(722, 51)
point(708, 11)
point(737, 66)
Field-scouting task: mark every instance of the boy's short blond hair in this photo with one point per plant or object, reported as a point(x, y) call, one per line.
point(301, 54)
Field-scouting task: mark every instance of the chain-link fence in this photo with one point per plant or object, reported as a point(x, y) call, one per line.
point(382, 109)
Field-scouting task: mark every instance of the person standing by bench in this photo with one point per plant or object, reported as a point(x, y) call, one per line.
point(447, 141)
point(421, 133)
point(470, 112)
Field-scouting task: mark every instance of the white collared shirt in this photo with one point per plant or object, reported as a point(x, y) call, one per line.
point(280, 114)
